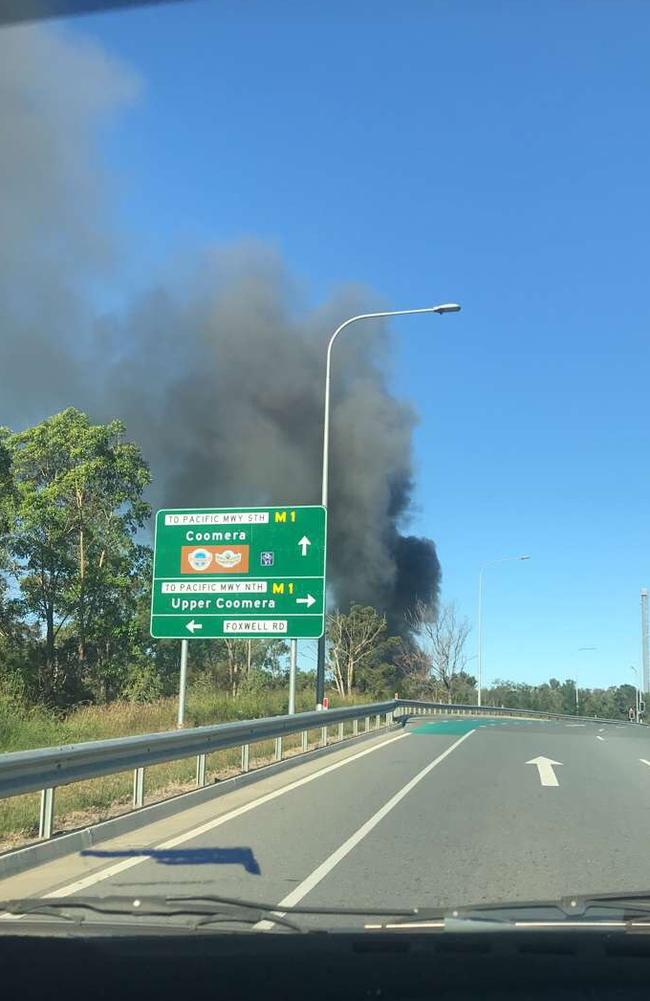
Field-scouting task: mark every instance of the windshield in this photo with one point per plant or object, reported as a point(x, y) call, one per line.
point(323, 390)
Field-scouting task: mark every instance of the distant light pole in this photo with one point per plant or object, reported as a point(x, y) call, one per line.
point(448, 307)
point(637, 693)
point(504, 559)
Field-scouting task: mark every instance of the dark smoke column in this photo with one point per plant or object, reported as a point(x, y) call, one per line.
point(450, 307)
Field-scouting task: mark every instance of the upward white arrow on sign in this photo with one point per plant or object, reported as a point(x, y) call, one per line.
point(547, 776)
point(304, 542)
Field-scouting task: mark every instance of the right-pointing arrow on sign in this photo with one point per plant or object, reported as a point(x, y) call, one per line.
point(308, 601)
point(547, 776)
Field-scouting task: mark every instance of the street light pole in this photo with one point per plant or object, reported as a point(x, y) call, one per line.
point(450, 307)
point(637, 697)
point(504, 559)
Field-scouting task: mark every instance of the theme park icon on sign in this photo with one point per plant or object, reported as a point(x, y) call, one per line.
point(214, 559)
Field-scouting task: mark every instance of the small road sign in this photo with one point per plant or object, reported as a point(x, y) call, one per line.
point(239, 572)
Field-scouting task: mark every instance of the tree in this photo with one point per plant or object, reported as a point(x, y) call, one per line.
point(78, 506)
point(353, 638)
point(439, 653)
point(379, 673)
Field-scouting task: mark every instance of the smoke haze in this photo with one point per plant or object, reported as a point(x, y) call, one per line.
point(218, 371)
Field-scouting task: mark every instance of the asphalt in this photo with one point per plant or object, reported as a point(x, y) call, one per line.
point(443, 813)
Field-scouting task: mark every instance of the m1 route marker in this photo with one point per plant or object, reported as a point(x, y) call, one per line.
point(239, 572)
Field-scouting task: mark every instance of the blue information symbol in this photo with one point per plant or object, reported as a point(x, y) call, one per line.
point(267, 559)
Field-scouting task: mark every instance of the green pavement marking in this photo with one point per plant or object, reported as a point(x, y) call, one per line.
point(460, 726)
point(451, 727)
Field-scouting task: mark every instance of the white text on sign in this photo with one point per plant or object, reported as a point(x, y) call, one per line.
point(255, 626)
point(218, 518)
point(214, 587)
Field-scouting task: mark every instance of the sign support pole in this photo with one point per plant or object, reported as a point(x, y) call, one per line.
point(320, 673)
point(293, 658)
point(182, 685)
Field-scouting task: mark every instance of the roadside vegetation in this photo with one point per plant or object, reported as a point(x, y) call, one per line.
point(81, 803)
point(77, 662)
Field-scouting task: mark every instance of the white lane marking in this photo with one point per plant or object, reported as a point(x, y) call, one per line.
point(601, 729)
point(337, 856)
point(547, 776)
point(598, 737)
point(645, 762)
point(576, 724)
point(118, 867)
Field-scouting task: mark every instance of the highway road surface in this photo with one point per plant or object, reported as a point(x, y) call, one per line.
point(440, 813)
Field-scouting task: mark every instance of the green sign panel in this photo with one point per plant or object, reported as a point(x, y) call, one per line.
point(239, 572)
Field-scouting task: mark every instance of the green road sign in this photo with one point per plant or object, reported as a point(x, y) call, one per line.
point(239, 572)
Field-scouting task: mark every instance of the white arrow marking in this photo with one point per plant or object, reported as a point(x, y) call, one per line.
point(304, 542)
point(192, 625)
point(598, 737)
point(545, 768)
point(308, 601)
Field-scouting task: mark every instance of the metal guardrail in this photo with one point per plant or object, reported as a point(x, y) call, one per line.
point(47, 768)
point(455, 708)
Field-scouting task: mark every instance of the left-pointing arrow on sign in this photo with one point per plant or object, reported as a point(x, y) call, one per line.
point(192, 625)
point(547, 776)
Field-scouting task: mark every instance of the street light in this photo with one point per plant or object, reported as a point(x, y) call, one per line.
point(637, 693)
point(447, 307)
point(504, 559)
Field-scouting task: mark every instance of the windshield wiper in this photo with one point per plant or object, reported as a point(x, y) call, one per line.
point(77, 909)
point(619, 910)
point(206, 909)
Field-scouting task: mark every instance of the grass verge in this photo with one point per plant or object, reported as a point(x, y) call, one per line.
point(84, 803)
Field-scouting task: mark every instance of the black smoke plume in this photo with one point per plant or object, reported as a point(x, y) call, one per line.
point(218, 370)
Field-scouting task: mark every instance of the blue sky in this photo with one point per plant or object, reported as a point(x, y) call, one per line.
point(496, 154)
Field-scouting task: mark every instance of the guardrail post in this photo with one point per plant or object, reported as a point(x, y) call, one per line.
point(245, 757)
point(278, 749)
point(138, 787)
point(355, 727)
point(377, 721)
point(367, 723)
point(341, 730)
point(200, 769)
point(46, 817)
point(323, 736)
point(390, 718)
point(304, 741)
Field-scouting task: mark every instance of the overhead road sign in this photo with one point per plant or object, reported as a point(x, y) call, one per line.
point(239, 572)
